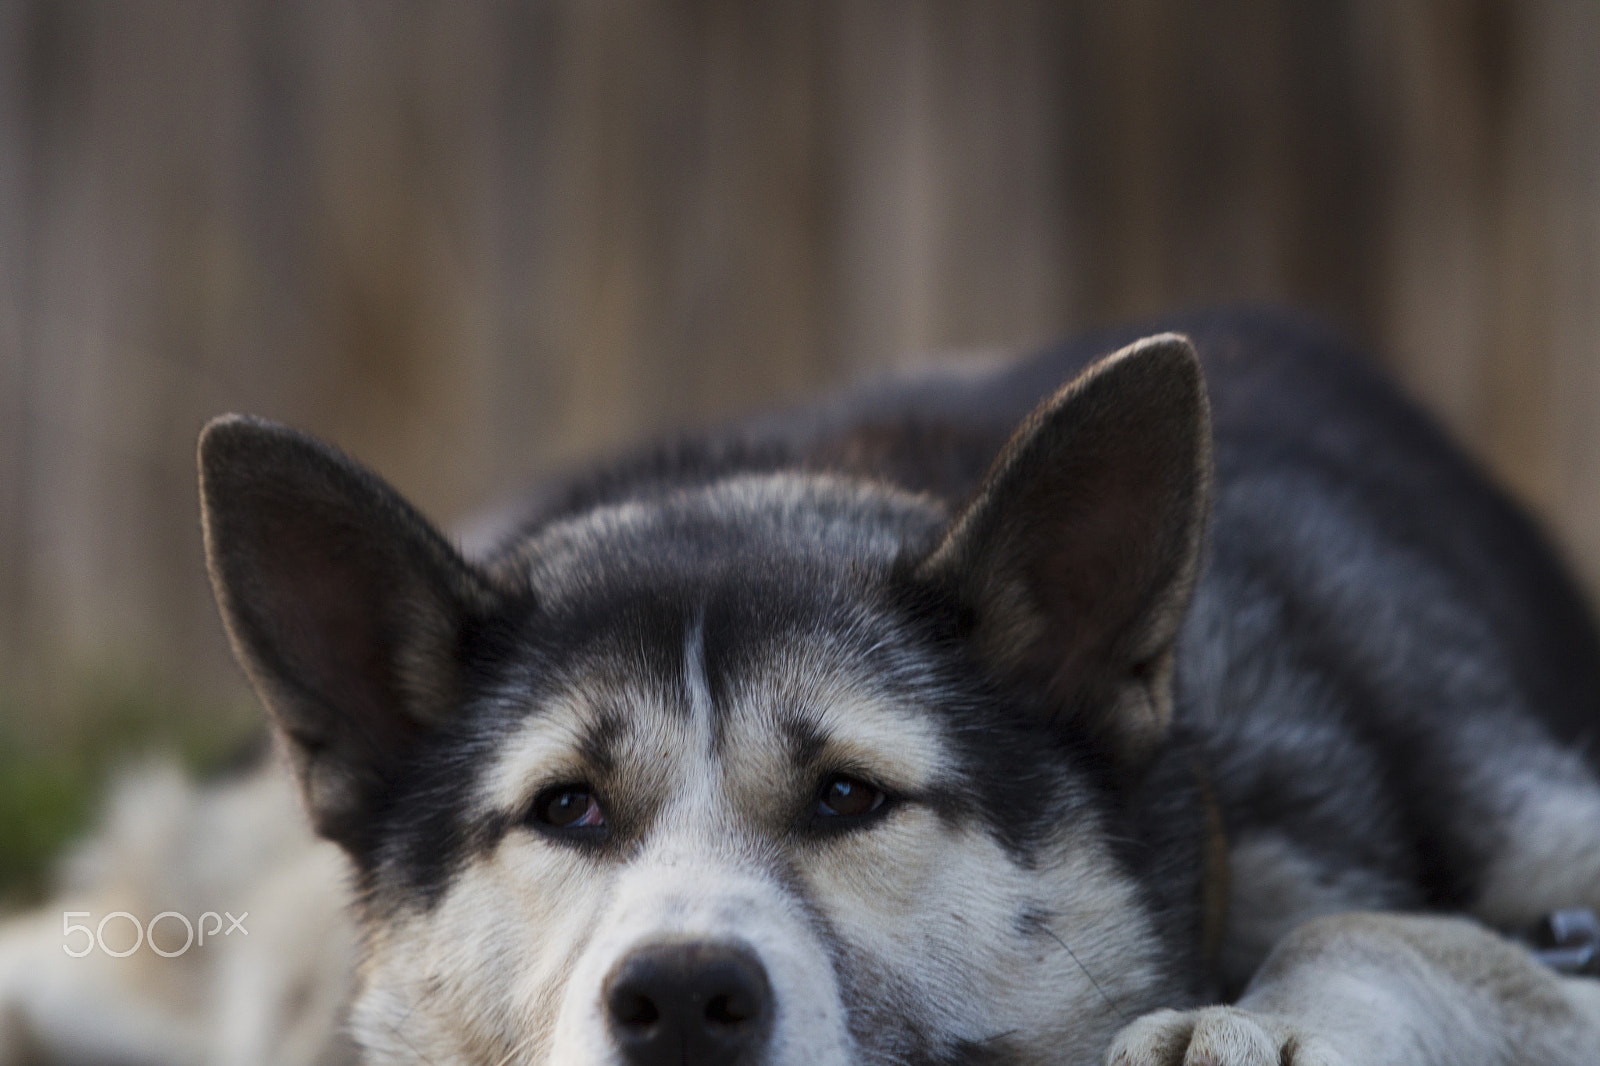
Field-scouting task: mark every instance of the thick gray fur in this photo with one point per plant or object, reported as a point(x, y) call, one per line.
point(1224, 625)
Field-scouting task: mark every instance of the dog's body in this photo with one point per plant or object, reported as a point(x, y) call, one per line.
point(893, 733)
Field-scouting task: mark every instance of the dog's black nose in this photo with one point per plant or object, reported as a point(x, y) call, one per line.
point(690, 1003)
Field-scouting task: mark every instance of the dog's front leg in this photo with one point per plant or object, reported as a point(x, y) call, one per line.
point(1384, 990)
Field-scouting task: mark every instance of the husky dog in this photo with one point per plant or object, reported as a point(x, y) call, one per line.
point(948, 726)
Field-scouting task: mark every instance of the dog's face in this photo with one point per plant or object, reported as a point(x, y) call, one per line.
point(778, 770)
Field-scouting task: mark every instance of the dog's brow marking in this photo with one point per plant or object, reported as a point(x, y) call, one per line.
point(805, 741)
point(597, 741)
point(899, 744)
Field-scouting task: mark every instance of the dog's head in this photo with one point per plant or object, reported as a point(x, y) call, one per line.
point(784, 770)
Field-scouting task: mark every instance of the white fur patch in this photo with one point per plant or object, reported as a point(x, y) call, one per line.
point(1550, 857)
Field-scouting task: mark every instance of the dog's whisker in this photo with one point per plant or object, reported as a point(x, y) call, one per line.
point(413, 1048)
point(517, 1049)
point(394, 1029)
point(1124, 1015)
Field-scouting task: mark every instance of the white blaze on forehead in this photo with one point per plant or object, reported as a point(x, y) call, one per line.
point(694, 671)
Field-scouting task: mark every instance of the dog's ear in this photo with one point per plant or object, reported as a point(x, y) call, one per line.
point(345, 607)
point(1075, 561)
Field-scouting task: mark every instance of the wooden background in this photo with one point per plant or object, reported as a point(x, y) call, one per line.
point(468, 241)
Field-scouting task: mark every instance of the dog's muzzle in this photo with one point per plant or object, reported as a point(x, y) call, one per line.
point(700, 1002)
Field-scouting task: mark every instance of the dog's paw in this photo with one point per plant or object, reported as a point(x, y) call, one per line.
point(1218, 1036)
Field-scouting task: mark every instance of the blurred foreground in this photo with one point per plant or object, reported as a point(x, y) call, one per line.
point(199, 926)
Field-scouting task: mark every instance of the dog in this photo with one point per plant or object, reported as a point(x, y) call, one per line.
point(1192, 703)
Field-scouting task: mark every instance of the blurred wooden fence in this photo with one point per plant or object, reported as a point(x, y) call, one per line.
point(471, 240)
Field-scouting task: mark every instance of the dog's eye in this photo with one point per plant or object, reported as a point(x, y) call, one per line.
point(569, 807)
point(848, 797)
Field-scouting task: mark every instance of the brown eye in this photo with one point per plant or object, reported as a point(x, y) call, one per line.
point(569, 807)
point(848, 797)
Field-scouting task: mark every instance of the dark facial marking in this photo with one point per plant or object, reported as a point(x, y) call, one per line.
point(806, 743)
point(598, 742)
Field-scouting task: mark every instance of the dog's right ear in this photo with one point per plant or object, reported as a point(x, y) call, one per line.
point(345, 607)
point(1077, 557)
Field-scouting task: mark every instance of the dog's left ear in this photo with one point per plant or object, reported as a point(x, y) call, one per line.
point(1076, 560)
point(348, 610)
